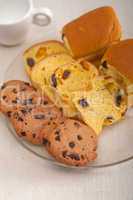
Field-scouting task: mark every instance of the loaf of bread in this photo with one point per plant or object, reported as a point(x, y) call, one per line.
point(90, 34)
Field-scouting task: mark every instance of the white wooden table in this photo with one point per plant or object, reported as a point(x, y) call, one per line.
point(26, 177)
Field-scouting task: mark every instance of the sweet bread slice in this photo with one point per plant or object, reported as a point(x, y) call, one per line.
point(41, 79)
point(40, 51)
point(97, 107)
point(59, 76)
point(73, 77)
point(118, 60)
point(109, 72)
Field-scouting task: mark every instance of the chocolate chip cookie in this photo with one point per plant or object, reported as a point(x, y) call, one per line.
point(28, 110)
point(15, 94)
point(28, 122)
point(72, 143)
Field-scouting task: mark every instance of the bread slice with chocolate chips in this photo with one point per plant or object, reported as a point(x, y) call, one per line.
point(98, 107)
point(40, 51)
point(43, 78)
point(117, 63)
point(60, 75)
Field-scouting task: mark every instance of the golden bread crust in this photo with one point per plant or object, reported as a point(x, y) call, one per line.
point(92, 32)
point(43, 43)
point(120, 56)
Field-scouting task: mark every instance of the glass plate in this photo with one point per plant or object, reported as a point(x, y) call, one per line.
point(115, 143)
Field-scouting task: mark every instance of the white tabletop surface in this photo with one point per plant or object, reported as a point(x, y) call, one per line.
point(26, 177)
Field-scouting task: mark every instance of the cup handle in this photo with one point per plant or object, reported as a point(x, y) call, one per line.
point(42, 16)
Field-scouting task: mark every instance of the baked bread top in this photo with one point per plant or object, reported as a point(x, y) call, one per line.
point(120, 56)
point(92, 32)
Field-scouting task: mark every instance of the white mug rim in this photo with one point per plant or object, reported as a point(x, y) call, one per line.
point(27, 14)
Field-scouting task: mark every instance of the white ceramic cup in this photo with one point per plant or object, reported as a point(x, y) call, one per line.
point(16, 17)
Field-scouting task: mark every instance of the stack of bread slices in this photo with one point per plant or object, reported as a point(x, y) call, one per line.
point(98, 94)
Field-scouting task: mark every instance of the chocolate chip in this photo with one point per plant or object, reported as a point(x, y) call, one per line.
point(57, 138)
point(4, 97)
point(79, 137)
point(35, 89)
point(61, 109)
point(14, 101)
point(64, 154)
point(3, 86)
point(23, 89)
point(53, 80)
point(66, 74)
point(49, 123)
point(20, 119)
point(27, 84)
point(9, 113)
point(74, 156)
point(123, 114)
point(61, 123)
point(34, 135)
point(82, 157)
point(118, 100)
point(54, 123)
point(46, 142)
point(71, 145)
point(104, 64)
point(30, 62)
point(57, 132)
point(14, 91)
point(16, 115)
point(83, 103)
point(41, 116)
point(23, 134)
point(26, 110)
point(76, 124)
point(109, 118)
point(45, 102)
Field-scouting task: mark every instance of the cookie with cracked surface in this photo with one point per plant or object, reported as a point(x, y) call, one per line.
point(72, 143)
point(29, 122)
point(15, 94)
